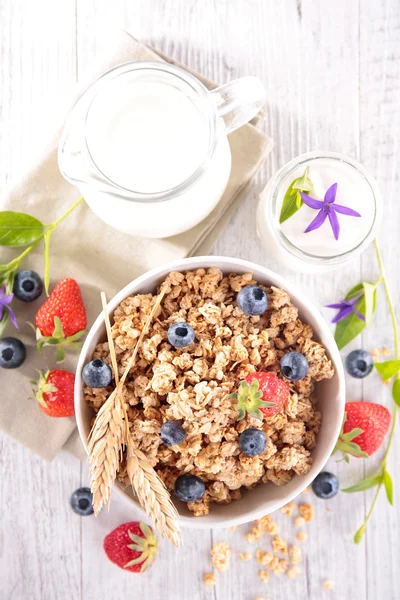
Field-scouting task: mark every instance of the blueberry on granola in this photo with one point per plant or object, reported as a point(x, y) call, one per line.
point(97, 374)
point(81, 502)
point(12, 353)
point(28, 286)
point(252, 300)
point(294, 366)
point(325, 485)
point(359, 363)
point(181, 335)
point(189, 488)
point(172, 433)
point(252, 441)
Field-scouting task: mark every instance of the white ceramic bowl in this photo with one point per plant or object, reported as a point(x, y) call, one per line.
point(265, 498)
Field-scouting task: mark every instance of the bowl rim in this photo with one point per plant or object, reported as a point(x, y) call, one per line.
point(237, 264)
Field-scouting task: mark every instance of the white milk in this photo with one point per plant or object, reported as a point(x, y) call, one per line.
point(318, 250)
point(149, 137)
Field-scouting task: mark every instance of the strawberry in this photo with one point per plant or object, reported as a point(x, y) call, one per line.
point(61, 321)
point(364, 428)
point(55, 393)
point(261, 395)
point(137, 556)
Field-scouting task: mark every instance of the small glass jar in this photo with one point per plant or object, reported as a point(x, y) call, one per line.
point(318, 251)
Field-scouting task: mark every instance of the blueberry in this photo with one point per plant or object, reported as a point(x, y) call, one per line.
point(252, 300)
point(325, 485)
point(172, 433)
point(189, 488)
point(28, 286)
point(12, 353)
point(181, 335)
point(97, 374)
point(359, 363)
point(252, 441)
point(294, 366)
point(81, 502)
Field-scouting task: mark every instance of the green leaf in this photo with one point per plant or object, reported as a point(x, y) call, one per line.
point(350, 327)
point(19, 229)
point(387, 481)
point(365, 484)
point(359, 535)
point(396, 391)
point(292, 200)
point(388, 368)
point(47, 236)
point(370, 301)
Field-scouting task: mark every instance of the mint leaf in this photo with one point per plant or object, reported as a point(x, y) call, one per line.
point(396, 391)
point(387, 482)
point(292, 200)
point(388, 368)
point(364, 484)
point(359, 535)
point(19, 229)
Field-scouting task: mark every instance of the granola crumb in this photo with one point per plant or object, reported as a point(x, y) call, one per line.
point(254, 535)
point(307, 490)
point(209, 579)
point(273, 564)
point(263, 575)
point(281, 566)
point(299, 521)
point(232, 528)
point(220, 555)
point(301, 536)
point(328, 584)
point(295, 554)
point(293, 571)
point(279, 545)
point(288, 509)
point(375, 353)
point(264, 558)
point(306, 511)
point(385, 352)
point(245, 556)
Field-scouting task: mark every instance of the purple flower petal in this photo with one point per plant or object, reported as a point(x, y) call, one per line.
point(12, 316)
point(334, 221)
point(330, 194)
point(339, 305)
point(345, 210)
point(317, 222)
point(358, 314)
point(342, 314)
point(311, 202)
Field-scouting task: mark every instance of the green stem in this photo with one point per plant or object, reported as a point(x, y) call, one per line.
point(15, 262)
point(396, 353)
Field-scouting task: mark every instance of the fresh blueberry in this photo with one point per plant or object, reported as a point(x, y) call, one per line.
point(172, 433)
point(189, 488)
point(12, 353)
point(294, 366)
point(325, 485)
point(81, 502)
point(97, 374)
point(252, 300)
point(28, 286)
point(181, 335)
point(359, 363)
point(252, 441)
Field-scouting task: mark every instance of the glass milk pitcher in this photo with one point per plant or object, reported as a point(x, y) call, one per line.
point(147, 146)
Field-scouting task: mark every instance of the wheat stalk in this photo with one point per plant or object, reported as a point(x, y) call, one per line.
point(103, 451)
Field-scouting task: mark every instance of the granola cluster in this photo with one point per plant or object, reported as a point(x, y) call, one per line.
point(192, 385)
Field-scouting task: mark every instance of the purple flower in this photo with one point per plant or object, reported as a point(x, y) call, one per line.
point(327, 208)
point(346, 307)
point(5, 304)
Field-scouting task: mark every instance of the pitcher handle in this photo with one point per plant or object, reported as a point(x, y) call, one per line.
point(239, 101)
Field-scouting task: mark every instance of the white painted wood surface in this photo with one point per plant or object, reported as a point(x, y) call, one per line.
point(332, 72)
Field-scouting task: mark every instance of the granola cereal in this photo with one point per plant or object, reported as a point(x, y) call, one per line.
point(306, 511)
point(192, 385)
point(220, 556)
point(295, 554)
point(209, 579)
point(245, 556)
point(264, 558)
point(279, 545)
point(299, 521)
point(302, 536)
point(263, 575)
point(288, 509)
point(328, 584)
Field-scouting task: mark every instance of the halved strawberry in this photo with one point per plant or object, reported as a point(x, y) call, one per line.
point(137, 556)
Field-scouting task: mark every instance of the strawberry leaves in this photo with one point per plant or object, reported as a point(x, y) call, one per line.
point(146, 546)
point(249, 400)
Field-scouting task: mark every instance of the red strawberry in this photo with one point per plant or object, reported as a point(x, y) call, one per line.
point(61, 321)
point(55, 393)
point(137, 556)
point(364, 429)
point(261, 395)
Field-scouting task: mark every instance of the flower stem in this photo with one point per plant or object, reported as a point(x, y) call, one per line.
point(383, 278)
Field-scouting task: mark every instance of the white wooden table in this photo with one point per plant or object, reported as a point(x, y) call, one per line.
point(332, 72)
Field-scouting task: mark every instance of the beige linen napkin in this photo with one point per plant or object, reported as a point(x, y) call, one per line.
point(99, 258)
